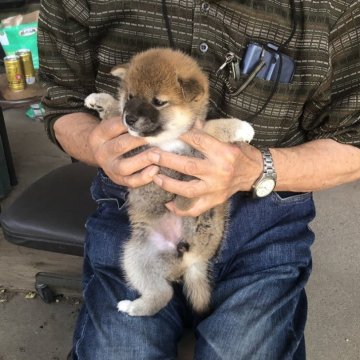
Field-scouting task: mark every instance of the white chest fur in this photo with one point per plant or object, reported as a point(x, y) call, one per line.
point(174, 146)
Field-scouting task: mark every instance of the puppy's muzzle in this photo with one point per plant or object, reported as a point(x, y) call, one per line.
point(142, 118)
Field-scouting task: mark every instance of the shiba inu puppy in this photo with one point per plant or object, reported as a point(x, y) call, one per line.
point(163, 93)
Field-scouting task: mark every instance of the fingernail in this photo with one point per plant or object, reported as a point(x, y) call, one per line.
point(153, 171)
point(170, 206)
point(157, 180)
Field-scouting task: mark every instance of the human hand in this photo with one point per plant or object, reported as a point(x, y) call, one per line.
point(224, 170)
point(109, 141)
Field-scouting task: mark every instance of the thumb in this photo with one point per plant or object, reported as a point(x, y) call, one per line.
point(198, 207)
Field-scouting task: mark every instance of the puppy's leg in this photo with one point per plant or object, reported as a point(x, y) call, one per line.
point(103, 103)
point(230, 130)
point(146, 271)
point(196, 284)
point(154, 297)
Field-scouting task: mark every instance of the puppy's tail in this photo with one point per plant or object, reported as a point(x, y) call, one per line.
point(197, 286)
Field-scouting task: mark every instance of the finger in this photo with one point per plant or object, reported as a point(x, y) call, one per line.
point(202, 142)
point(110, 152)
point(189, 189)
point(111, 128)
point(180, 163)
point(124, 143)
point(141, 178)
point(129, 165)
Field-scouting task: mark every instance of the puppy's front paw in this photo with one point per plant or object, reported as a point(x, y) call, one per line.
point(103, 103)
point(94, 101)
point(99, 101)
point(243, 131)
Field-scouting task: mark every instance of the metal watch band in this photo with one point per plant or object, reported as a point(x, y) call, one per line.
point(269, 169)
point(266, 183)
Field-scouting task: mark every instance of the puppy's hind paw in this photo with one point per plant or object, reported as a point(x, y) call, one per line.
point(124, 306)
point(138, 307)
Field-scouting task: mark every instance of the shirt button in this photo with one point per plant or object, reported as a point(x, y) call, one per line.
point(204, 47)
point(205, 7)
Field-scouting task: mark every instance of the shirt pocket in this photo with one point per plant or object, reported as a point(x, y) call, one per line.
point(273, 109)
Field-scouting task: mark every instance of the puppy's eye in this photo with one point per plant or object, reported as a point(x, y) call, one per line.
point(130, 96)
point(158, 103)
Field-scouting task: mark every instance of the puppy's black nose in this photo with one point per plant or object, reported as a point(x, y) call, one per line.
point(131, 119)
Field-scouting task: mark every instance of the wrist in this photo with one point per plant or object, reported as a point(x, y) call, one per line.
point(72, 131)
point(253, 163)
point(266, 182)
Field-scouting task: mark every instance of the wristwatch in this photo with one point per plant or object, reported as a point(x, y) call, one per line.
point(266, 183)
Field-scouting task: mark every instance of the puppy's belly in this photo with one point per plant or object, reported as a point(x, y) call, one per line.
point(166, 233)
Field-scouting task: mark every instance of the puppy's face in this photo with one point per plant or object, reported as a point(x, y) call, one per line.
point(163, 93)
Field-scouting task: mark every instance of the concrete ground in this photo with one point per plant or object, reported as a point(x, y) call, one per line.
point(32, 330)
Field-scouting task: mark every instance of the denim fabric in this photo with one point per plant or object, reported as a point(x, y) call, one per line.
point(258, 304)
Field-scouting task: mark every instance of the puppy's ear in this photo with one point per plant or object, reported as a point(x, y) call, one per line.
point(191, 88)
point(120, 70)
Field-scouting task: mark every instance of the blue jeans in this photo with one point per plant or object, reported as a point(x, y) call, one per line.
point(258, 303)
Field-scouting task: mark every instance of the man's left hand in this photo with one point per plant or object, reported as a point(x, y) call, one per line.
point(224, 170)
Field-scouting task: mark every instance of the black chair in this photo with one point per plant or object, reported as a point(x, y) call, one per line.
point(3, 132)
point(50, 215)
point(10, 4)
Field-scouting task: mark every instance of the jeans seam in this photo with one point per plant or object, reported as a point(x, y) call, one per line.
point(119, 206)
point(82, 335)
point(78, 343)
point(292, 200)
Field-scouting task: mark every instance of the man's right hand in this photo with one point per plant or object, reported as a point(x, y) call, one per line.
point(109, 141)
point(103, 144)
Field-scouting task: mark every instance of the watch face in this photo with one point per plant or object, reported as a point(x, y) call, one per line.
point(265, 187)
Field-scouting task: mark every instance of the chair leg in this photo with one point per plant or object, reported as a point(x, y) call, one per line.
point(46, 285)
point(7, 151)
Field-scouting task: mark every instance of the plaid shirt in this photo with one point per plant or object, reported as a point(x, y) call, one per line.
point(80, 41)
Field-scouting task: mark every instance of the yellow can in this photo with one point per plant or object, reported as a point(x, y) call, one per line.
point(28, 65)
point(14, 72)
